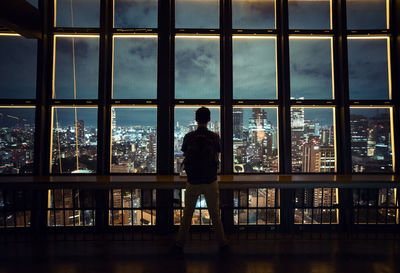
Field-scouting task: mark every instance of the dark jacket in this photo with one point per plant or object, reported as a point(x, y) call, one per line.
point(210, 175)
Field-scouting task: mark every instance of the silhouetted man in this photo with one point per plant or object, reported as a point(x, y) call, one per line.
point(201, 150)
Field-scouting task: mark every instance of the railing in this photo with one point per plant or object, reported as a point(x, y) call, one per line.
point(251, 205)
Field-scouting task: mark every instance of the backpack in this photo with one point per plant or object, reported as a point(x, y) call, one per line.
point(201, 156)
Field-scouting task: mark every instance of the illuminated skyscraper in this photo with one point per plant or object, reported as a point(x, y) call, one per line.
point(238, 123)
point(80, 127)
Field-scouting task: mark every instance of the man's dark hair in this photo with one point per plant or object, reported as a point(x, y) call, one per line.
point(203, 115)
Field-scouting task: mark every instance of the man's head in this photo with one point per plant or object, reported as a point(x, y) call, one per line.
point(203, 116)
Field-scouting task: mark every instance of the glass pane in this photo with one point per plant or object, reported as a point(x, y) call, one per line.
point(33, 3)
point(254, 68)
point(255, 140)
point(135, 13)
point(316, 206)
point(371, 139)
point(309, 14)
point(253, 14)
point(311, 68)
point(313, 140)
point(185, 123)
point(196, 14)
point(135, 68)
point(375, 206)
point(17, 135)
point(368, 69)
point(197, 68)
point(134, 140)
point(74, 140)
point(366, 14)
point(17, 67)
point(76, 69)
point(77, 13)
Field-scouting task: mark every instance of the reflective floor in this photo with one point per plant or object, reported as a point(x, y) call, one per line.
point(255, 256)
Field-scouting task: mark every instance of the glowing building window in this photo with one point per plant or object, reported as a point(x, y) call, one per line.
point(197, 67)
point(76, 67)
point(367, 14)
point(255, 140)
point(369, 68)
point(313, 140)
point(185, 123)
point(254, 67)
point(132, 207)
point(17, 130)
point(311, 71)
point(135, 13)
point(71, 207)
point(371, 139)
point(256, 207)
point(196, 14)
point(316, 206)
point(253, 14)
point(135, 67)
point(201, 215)
point(310, 14)
point(74, 140)
point(134, 139)
point(17, 67)
point(77, 13)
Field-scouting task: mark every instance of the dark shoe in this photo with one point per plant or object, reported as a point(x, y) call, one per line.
point(176, 249)
point(224, 250)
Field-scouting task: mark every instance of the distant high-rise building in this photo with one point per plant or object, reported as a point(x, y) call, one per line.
point(238, 123)
point(80, 127)
point(359, 135)
point(113, 119)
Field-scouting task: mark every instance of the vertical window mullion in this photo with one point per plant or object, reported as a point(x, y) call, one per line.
point(226, 88)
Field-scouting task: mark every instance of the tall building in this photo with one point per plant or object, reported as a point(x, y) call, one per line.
point(80, 127)
point(237, 123)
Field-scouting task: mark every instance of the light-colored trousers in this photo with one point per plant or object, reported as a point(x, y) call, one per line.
point(211, 194)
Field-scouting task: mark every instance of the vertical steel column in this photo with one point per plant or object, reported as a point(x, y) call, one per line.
point(103, 111)
point(42, 115)
point(285, 157)
point(344, 161)
point(226, 79)
point(226, 86)
point(394, 21)
point(165, 96)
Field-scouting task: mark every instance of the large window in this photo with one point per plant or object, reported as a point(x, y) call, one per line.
point(371, 139)
point(313, 140)
point(253, 14)
point(135, 13)
point(73, 13)
point(254, 67)
point(17, 67)
point(185, 123)
point(311, 70)
point(74, 140)
point(197, 67)
point(76, 67)
point(310, 14)
point(135, 67)
point(255, 140)
point(196, 14)
point(17, 129)
point(369, 68)
point(134, 139)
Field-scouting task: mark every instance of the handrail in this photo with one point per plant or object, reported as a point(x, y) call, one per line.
point(236, 181)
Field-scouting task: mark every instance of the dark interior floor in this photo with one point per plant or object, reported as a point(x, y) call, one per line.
point(255, 256)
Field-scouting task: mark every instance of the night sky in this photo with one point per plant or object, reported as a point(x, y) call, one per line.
point(197, 60)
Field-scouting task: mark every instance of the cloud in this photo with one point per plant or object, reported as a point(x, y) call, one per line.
point(197, 68)
point(135, 68)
